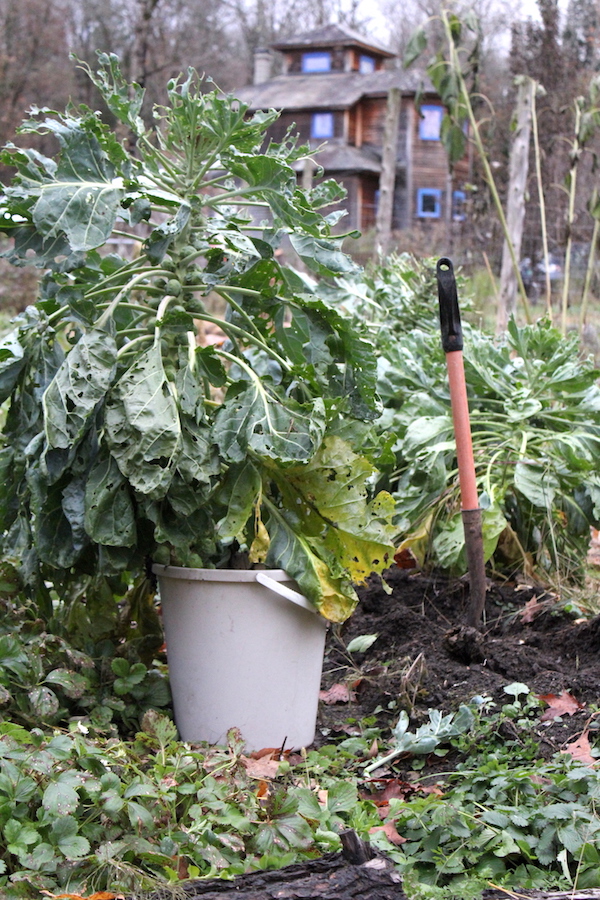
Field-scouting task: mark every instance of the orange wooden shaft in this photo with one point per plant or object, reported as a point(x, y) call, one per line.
point(462, 430)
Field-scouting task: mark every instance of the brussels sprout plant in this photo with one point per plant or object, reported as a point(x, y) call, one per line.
point(126, 441)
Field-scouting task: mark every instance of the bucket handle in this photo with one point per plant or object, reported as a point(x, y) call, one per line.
point(289, 594)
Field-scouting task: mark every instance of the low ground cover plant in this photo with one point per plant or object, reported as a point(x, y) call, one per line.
point(79, 814)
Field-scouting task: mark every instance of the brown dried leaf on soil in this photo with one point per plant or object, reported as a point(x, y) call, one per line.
point(99, 895)
point(389, 829)
point(530, 611)
point(563, 704)
point(337, 693)
point(265, 767)
point(581, 750)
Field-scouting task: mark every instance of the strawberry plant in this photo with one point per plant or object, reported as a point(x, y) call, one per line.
point(125, 440)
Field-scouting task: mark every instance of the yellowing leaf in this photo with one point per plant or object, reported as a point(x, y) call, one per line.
point(260, 544)
point(417, 542)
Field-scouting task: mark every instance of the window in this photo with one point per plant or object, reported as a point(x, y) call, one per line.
point(316, 61)
point(431, 123)
point(458, 206)
point(366, 64)
point(321, 125)
point(429, 203)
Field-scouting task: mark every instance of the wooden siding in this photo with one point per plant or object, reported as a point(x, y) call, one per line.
point(373, 118)
point(429, 168)
point(367, 209)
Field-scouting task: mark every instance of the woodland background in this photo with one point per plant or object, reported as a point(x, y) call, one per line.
point(558, 46)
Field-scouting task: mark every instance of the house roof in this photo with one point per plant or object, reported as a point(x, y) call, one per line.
point(345, 158)
point(334, 90)
point(332, 35)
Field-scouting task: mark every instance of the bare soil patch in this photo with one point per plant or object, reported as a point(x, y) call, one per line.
point(425, 658)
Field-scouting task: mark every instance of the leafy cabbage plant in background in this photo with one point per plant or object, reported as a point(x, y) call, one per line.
point(535, 419)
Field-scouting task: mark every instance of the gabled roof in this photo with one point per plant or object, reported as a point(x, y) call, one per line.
point(335, 35)
point(333, 90)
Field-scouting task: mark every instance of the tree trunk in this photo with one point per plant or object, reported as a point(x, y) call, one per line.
point(141, 46)
point(515, 211)
point(387, 179)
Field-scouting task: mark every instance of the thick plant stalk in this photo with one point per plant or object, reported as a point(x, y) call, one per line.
point(575, 155)
point(515, 204)
point(541, 201)
point(383, 225)
point(588, 274)
point(489, 177)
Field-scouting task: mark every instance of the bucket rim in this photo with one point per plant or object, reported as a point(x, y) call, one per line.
point(184, 573)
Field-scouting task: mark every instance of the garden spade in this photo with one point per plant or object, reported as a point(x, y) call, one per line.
point(452, 342)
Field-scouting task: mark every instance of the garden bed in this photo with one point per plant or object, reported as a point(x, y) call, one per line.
point(423, 658)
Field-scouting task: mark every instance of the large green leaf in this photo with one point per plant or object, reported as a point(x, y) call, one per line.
point(12, 360)
point(359, 532)
point(109, 513)
point(238, 495)
point(142, 425)
point(78, 387)
point(83, 197)
point(256, 420)
point(536, 482)
point(332, 595)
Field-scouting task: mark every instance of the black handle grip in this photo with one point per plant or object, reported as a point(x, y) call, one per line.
point(452, 338)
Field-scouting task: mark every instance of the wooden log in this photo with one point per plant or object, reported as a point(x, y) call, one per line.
point(333, 876)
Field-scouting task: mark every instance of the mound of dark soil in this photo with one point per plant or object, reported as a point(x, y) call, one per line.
point(424, 658)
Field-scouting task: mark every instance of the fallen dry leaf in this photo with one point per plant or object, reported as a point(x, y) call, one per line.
point(273, 752)
point(396, 789)
point(529, 611)
point(337, 693)
point(564, 704)
point(373, 749)
point(99, 895)
point(581, 750)
point(262, 789)
point(405, 559)
point(262, 768)
point(389, 829)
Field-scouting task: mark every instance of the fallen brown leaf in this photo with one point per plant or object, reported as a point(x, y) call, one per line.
point(99, 895)
point(389, 829)
point(261, 769)
point(581, 749)
point(373, 749)
point(337, 693)
point(564, 704)
point(529, 611)
point(405, 559)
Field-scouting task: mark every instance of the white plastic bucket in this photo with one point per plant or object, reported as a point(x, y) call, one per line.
point(245, 650)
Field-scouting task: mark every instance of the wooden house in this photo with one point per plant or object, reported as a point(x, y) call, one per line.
point(333, 89)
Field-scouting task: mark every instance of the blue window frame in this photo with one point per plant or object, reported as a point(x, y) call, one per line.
point(316, 61)
point(430, 124)
point(321, 125)
point(366, 64)
point(429, 203)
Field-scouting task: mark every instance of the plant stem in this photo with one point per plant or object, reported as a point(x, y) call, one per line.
point(541, 201)
point(589, 273)
point(489, 177)
point(575, 155)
